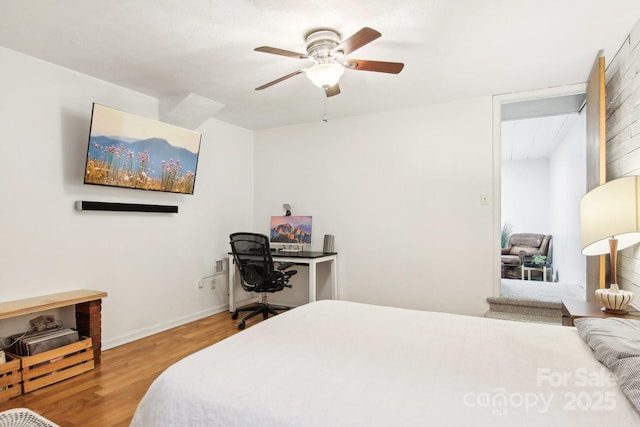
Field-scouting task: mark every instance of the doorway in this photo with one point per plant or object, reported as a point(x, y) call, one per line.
point(540, 176)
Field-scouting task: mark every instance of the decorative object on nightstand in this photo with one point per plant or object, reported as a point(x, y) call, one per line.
point(609, 216)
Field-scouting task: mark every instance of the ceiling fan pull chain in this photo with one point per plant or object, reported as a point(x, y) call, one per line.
point(324, 118)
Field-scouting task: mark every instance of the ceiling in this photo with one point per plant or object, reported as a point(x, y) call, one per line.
point(533, 129)
point(534, 138)
point(451, 49)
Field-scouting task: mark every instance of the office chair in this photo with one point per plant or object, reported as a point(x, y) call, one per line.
point(252, 255)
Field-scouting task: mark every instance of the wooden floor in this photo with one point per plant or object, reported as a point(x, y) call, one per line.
point(109, 394)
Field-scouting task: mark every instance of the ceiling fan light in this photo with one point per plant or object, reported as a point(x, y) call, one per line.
point(325, 74)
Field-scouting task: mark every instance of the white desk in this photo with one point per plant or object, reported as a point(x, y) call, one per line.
point(312, 259)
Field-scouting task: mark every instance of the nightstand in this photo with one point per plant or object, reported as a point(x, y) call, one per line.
point(572, 310)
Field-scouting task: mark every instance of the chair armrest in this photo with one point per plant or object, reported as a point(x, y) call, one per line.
point(522, 255)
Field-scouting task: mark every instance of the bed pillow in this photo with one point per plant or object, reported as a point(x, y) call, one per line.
point(616, 344)
point(627, 373)
point(611, 338)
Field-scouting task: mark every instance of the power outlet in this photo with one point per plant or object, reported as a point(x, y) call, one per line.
point(220, 264)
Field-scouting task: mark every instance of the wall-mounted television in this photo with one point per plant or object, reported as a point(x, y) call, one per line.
point(290, 230)
point(130, 151)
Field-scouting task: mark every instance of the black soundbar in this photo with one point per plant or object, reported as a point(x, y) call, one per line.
point(83, 205)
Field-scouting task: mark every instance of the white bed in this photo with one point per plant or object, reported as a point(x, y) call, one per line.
point(336, 363)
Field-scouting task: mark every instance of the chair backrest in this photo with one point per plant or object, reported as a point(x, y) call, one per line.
point(530, 243)
point(252, 255)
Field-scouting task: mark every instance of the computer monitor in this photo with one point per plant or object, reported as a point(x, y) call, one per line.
point(290, 232)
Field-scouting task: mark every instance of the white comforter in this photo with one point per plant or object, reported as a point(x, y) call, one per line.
point(336, 363)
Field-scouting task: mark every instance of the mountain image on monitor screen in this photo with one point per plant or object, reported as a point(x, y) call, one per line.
point(291, 230)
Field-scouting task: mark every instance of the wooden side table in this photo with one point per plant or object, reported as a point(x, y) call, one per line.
point(572, 310)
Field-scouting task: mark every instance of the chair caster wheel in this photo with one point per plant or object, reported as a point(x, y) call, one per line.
point(241, 325)
point(234, 315)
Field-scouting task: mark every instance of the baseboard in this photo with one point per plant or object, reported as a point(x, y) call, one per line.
point(143, 333)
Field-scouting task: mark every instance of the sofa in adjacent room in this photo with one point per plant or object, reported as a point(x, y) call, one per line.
point(520, 249)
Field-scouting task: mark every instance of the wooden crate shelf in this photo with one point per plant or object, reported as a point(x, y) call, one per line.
point(56, 365)
point(10, 379)
point(88, 305)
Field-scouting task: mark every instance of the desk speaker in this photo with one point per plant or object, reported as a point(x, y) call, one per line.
point(328, 243)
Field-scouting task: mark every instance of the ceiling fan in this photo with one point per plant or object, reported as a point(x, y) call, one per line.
point(328, 52)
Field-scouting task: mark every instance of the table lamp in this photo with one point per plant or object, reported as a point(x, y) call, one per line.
point(610, 220)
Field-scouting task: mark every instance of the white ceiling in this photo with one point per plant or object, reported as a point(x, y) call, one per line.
point(452, 49)
point(533, 129)
point(534, 138)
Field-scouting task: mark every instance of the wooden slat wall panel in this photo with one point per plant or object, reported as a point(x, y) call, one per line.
point(596, 152)
point(623, 138)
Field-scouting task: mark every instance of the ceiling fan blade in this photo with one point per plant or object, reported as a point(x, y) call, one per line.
point(276, 51)
point(356, 41)
point(333, 90)
point(288, 76)
point(379, 66)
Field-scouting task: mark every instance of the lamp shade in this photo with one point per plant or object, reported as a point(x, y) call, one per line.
point(325, 74)
point(611, 210)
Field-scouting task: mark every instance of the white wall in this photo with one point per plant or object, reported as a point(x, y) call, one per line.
point(401, 193)
point(148, 263)
point(526, 195)
point(567, 172)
